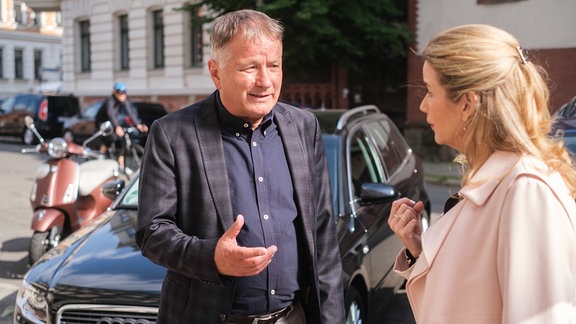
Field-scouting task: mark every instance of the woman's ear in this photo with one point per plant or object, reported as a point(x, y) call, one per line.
point(470, 105)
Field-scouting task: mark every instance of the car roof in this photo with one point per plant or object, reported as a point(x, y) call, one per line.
point(335, 120)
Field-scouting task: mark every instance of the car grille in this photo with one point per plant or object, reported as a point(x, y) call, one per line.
point(106, 314)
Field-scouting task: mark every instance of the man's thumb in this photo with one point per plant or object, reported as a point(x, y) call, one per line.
point(234, 230)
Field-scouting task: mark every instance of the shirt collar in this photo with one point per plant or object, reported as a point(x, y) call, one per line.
point(234, 124)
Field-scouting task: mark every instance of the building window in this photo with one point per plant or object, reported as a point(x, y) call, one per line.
point(124, 48)
point(85, 46)
point(195, 38)
point(1, 63)
point(158, 38)
point(38, 65)
point(482, 2)
point(19, 63)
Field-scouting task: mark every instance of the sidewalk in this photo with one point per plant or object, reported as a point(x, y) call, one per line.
point(447, 173)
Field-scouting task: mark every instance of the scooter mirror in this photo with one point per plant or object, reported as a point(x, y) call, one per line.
point(106, 128)
point(29, 121)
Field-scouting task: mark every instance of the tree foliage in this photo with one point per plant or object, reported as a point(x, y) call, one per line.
point(321, 33)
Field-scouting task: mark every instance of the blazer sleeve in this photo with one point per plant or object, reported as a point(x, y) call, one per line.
point(536, 254)
point(158, 235)
point(328, 254)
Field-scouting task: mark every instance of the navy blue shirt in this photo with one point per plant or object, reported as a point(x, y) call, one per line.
point(261, 191)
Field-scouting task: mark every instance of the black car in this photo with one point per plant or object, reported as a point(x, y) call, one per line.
point(99, 276)
point(47, 111)
point(79, 127)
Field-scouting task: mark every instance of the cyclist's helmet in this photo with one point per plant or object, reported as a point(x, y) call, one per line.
point(119, 87)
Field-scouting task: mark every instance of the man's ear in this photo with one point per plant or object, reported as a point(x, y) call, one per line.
point(470, 105)
point(214, 70)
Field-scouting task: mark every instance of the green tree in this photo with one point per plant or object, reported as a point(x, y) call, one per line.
point(322, 34)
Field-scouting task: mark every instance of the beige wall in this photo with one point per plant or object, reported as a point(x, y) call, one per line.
point(172, 85)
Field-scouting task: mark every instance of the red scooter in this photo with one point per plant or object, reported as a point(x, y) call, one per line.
point(67, 191)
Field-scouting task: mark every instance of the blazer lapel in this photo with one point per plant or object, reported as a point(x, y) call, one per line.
point(297, 163)
point(212, 153)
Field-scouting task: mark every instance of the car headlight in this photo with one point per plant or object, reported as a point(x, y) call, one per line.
point(57, 148)
point(31, 304)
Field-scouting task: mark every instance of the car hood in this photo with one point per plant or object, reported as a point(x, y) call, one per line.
point(100, 264)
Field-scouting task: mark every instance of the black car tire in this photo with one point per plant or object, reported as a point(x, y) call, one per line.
point(355, 309)
point(28, 137)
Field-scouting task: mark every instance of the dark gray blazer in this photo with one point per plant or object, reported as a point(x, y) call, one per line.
point(184, 208)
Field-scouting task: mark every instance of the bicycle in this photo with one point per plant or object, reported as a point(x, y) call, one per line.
point(131, 160)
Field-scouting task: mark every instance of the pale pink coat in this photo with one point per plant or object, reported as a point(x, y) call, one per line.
point(504, 254)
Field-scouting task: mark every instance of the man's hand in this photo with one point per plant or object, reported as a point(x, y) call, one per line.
point(142, 128)
point(234, 260)
point(119, 131)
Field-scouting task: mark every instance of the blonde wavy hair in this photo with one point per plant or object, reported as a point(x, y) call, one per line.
point(512, 113)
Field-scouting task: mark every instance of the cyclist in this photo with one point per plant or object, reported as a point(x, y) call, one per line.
point(121, 113)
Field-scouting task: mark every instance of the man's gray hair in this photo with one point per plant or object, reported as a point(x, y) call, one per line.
point(250, 23)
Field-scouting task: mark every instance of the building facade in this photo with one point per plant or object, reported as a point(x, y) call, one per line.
point(543, 27)
point(30, 49)
point(150, 45)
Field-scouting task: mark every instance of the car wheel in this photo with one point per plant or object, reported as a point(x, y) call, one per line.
point(68, 135)
point(355, 310)
point(41, 242)
point(28, 137)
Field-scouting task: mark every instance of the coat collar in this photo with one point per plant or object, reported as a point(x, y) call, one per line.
point(488, 177)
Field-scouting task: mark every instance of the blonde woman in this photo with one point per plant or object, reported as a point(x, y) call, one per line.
point(506, 250)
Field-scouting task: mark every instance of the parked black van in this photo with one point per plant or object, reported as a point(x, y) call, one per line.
point(47, 111)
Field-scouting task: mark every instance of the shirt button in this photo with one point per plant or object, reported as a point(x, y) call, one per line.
point(246, 125)
point(237, 134)
point(273, 292)
point(265, 216)
point(254, 144)
point(260, 179)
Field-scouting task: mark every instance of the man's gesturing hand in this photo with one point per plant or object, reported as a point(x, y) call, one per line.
point(234, 260)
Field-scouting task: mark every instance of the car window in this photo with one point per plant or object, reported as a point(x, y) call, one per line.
point(130, 199)
point(364, 165)
point(390, 143)
point(91, 111)
point(23, 102)
point(8, 105)
point(65, 106)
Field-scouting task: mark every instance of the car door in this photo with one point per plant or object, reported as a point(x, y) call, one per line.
point(6, 115)
point(381, 245)
point(378, 245)
point(13, 121)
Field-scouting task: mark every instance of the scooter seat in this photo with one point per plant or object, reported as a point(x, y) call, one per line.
point(93, 173)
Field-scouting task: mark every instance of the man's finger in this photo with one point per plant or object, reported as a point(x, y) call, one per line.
point(234, 230)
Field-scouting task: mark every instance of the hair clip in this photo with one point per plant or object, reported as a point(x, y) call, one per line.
point(523, 55)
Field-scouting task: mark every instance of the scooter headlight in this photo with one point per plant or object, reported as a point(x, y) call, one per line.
point(57, 148)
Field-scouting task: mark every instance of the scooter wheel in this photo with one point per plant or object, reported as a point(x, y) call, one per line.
point(41, 242)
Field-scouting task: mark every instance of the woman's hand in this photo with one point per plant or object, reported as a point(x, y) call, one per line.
point(404, 220)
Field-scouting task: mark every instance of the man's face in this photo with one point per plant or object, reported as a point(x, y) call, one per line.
point(120, 95)
point(250, 78)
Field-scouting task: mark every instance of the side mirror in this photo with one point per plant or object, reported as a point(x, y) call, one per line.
point(377, 193)
point(106, 128)
point(112, 189)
